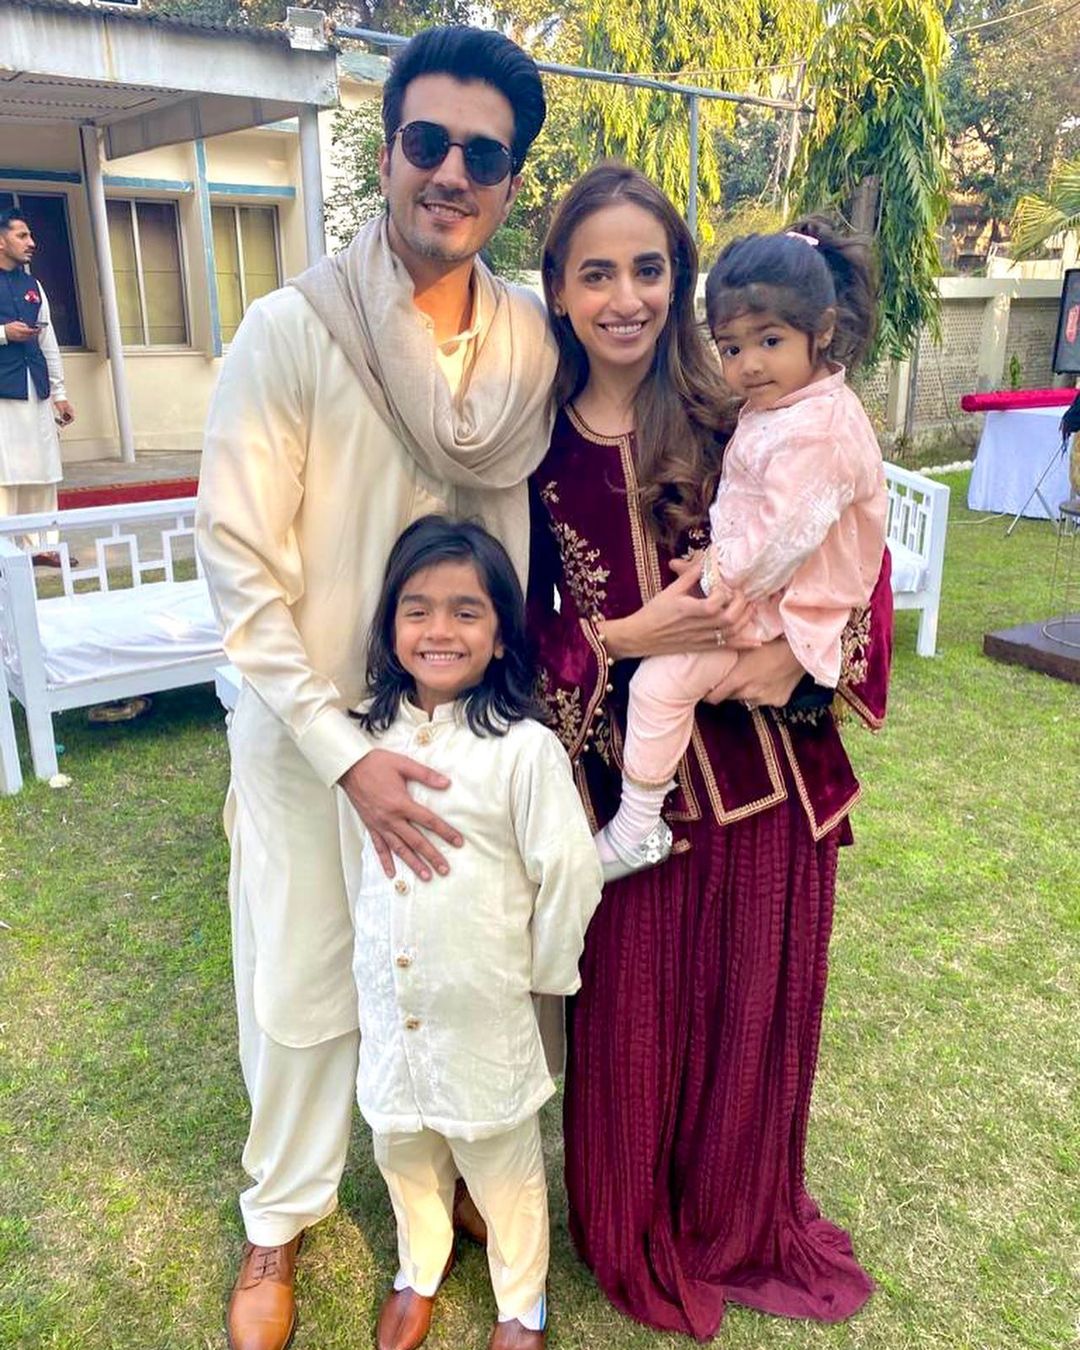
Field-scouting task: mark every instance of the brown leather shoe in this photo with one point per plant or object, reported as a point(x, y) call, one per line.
point(262, 1310)
point(513, 1336)
point(405, 1316)
point(467, 1218)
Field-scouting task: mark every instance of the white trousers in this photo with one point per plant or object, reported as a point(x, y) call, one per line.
point(505, 1177)
point(301, 1115)
point(22, 499)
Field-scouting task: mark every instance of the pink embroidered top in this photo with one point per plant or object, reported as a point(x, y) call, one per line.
point(798, 522)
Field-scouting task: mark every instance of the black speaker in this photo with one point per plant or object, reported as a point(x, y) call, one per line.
point(1067, 343)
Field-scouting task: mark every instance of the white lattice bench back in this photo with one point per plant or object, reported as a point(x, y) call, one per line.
point(133, 616)
point(917, 523)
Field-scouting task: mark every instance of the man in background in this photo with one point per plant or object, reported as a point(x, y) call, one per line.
point(32, 397)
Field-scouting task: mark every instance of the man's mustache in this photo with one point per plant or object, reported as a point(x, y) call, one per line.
point(457, 200)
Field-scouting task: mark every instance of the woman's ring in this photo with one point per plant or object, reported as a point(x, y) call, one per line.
point(719, 638)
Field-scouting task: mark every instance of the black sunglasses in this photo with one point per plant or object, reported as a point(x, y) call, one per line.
point(426, 144)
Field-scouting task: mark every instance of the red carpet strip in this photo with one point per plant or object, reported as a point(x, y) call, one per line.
point(114, 494)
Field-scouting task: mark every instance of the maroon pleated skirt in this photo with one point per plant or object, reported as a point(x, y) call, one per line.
point(693, 1046)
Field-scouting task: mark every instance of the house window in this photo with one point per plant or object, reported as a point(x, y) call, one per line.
point(46, 214)
point(145, 241)
point(245, 259)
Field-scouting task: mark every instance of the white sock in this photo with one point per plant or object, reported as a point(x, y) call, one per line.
point(638, 815)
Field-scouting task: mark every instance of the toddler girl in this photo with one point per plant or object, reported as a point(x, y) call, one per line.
point(798, 522)
point(452, 1070)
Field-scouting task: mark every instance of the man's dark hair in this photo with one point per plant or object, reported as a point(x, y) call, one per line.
point(471, 54)
point(9, 217)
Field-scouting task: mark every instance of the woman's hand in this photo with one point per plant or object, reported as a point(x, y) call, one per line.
point(764, 677)
point(681, 619)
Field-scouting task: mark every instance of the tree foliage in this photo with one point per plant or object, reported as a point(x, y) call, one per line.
point(1009, 88)
point(878, 123)
point(357, 134)
point(388, 16)
point(723, 44)
point(1037, 218)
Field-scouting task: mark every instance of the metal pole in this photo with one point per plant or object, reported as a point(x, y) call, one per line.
point(793, 141)
point(311, 182)
point(604, 76)
point(691, 202)
point(90, 138)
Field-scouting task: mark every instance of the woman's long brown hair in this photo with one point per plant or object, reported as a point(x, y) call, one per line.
point(680, 409)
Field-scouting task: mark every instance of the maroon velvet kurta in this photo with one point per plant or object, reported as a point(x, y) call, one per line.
point(693, 1042)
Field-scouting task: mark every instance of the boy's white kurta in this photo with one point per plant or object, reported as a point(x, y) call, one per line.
point(446, 969)
point(303, 491)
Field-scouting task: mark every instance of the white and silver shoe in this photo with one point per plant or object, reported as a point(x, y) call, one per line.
point(654, 848)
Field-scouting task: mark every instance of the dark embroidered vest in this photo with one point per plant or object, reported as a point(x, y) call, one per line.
point(20, 299)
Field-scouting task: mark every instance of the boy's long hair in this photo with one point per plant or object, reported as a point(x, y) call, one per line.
point(505, 694)
point(798, 282)
point(680, 408)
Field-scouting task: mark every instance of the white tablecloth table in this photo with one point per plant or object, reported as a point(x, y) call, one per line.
point(1014, 449)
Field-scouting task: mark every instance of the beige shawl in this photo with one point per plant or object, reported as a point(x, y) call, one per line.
point(486, 441)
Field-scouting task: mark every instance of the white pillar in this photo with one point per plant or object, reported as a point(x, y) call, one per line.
point(90, 137)
point(311, 184)
point(993, 338)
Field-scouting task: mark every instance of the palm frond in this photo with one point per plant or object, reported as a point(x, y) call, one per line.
point(1036, 219)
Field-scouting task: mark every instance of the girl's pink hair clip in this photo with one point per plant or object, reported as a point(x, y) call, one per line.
point(806, 238)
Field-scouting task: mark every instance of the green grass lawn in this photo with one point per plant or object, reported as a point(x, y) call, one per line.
point(946, 1129)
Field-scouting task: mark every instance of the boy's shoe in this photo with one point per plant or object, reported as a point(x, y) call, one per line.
point(404, 1320)
point(653, 849)
point(262, 1309)
point(405, 1316)
point(513, 1336)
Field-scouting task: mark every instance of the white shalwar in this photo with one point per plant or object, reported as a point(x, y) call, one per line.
point(452, 1070)
point(30, 464)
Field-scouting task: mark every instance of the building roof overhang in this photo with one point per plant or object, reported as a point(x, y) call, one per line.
point(149, 82)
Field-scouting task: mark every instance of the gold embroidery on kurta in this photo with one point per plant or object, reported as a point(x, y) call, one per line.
point(564, 711)
point(855, 647)
point(855, 665)
point(584, 573)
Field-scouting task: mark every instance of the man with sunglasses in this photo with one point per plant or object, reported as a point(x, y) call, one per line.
point(398, 378)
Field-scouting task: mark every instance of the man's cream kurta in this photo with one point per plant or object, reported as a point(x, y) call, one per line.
point(445, 970)
point(303, 491)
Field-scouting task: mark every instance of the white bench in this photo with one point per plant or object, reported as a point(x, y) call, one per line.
point(10, 768)
point(100, 640)
point(917, 521)
point(96, 642)
point(227, 682)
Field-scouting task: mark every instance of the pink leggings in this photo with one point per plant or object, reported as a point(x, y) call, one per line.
point(664, 692)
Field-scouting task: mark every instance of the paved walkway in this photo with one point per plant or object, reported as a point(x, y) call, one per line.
point(150, 466)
